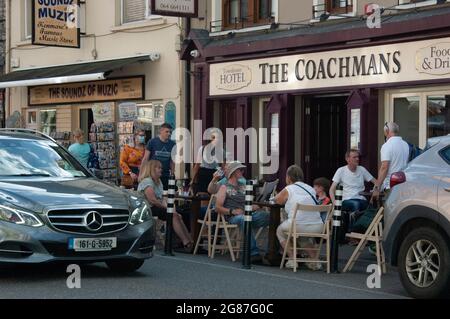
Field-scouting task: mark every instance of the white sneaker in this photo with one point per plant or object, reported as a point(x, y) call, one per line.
point(290, 264)
point(314, 266)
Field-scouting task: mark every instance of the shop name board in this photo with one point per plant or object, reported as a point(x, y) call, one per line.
point(177, 8)
point(351, 67)
point(97, 91)
point(55, 23)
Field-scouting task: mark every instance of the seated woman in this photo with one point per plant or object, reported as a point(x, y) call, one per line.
point(131, 158)
point(306, 222)
point(150, 184)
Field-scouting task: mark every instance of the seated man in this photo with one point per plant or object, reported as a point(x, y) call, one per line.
point(352, 177)
point(230, 201)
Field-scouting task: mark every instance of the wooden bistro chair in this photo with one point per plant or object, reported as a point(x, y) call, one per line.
point(206, 228)
point(374, 233)
point(325, 236)
point(231, 234)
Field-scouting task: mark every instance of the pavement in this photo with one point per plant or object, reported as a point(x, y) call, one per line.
point(186, 276)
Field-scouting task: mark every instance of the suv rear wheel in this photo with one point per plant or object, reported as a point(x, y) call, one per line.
point(124, 265)
point(424, 263)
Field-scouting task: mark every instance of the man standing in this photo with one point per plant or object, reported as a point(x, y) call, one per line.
point(160, 148)
point(394, 157)
point(352, 177)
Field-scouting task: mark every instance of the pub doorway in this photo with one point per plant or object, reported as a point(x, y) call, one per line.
point(324, 136)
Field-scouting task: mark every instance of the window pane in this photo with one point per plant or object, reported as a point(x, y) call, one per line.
point(133, 10)
point(48, 121)
point(28, 8)
point(234, 11)
point(438, 115)
point(264, 9)
point(244, 11)
point(406, 115)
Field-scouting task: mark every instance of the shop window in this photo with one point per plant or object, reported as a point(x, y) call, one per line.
point(47, 120)
point(32, 118)
point(27, 18)
point(151, 115)
point(438, 115)
point(407, 116)
point(239, 14)
point(136, 10)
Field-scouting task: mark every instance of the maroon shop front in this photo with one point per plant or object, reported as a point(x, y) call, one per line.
point(320, 92)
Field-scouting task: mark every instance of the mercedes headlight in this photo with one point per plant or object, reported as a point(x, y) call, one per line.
point(141, 214)
point(16, 216)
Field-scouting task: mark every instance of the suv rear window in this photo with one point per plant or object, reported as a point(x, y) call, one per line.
point(445, 154)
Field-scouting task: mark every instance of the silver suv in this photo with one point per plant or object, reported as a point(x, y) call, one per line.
point(417, 222)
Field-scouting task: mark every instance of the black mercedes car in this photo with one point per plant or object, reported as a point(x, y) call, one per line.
point(54, 209)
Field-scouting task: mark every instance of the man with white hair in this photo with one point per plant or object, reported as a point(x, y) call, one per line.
point(394, 157)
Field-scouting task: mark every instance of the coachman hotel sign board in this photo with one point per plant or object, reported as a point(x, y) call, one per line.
point(131, 88)
point(401, 62)
point(55, 23)
point(176, 8)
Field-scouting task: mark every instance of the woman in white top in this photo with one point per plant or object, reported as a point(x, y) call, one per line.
point(307, 222)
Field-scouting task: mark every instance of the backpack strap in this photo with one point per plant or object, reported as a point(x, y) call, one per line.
point(314, 199)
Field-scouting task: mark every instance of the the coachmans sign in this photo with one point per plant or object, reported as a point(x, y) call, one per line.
point(413, 61)
point(55, 23)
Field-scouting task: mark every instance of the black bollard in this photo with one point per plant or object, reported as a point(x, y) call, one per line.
point(169, 222)
point(246, 258)
point(336, 229)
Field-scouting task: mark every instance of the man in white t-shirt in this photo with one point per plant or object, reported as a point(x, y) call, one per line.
point(394, 157)
point(352, 177)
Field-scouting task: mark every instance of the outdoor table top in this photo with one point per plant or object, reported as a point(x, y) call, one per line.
point(268, 204)
point(190, 197)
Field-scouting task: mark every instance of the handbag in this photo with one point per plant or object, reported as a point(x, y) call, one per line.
point(127, 181)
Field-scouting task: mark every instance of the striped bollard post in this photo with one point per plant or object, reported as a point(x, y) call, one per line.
point(246, 258)
point(336, 228)
point(170, 210)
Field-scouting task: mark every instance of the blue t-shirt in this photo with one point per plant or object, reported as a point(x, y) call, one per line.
point(161, 151)
point(81, 152)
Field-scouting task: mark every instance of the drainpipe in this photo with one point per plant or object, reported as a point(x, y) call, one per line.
point(187, 98)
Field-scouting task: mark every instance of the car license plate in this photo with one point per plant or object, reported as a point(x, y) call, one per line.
point(92, 244)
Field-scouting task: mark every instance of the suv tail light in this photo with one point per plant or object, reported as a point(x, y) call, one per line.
point(397, 178)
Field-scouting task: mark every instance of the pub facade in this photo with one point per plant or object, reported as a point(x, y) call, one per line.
point(321, 89)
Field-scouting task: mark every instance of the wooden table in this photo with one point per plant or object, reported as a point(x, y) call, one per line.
point(273, 256)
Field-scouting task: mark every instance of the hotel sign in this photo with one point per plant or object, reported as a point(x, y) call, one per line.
point(177, 8)
point(131, 88)
point(56, 23)
point(401, 62)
